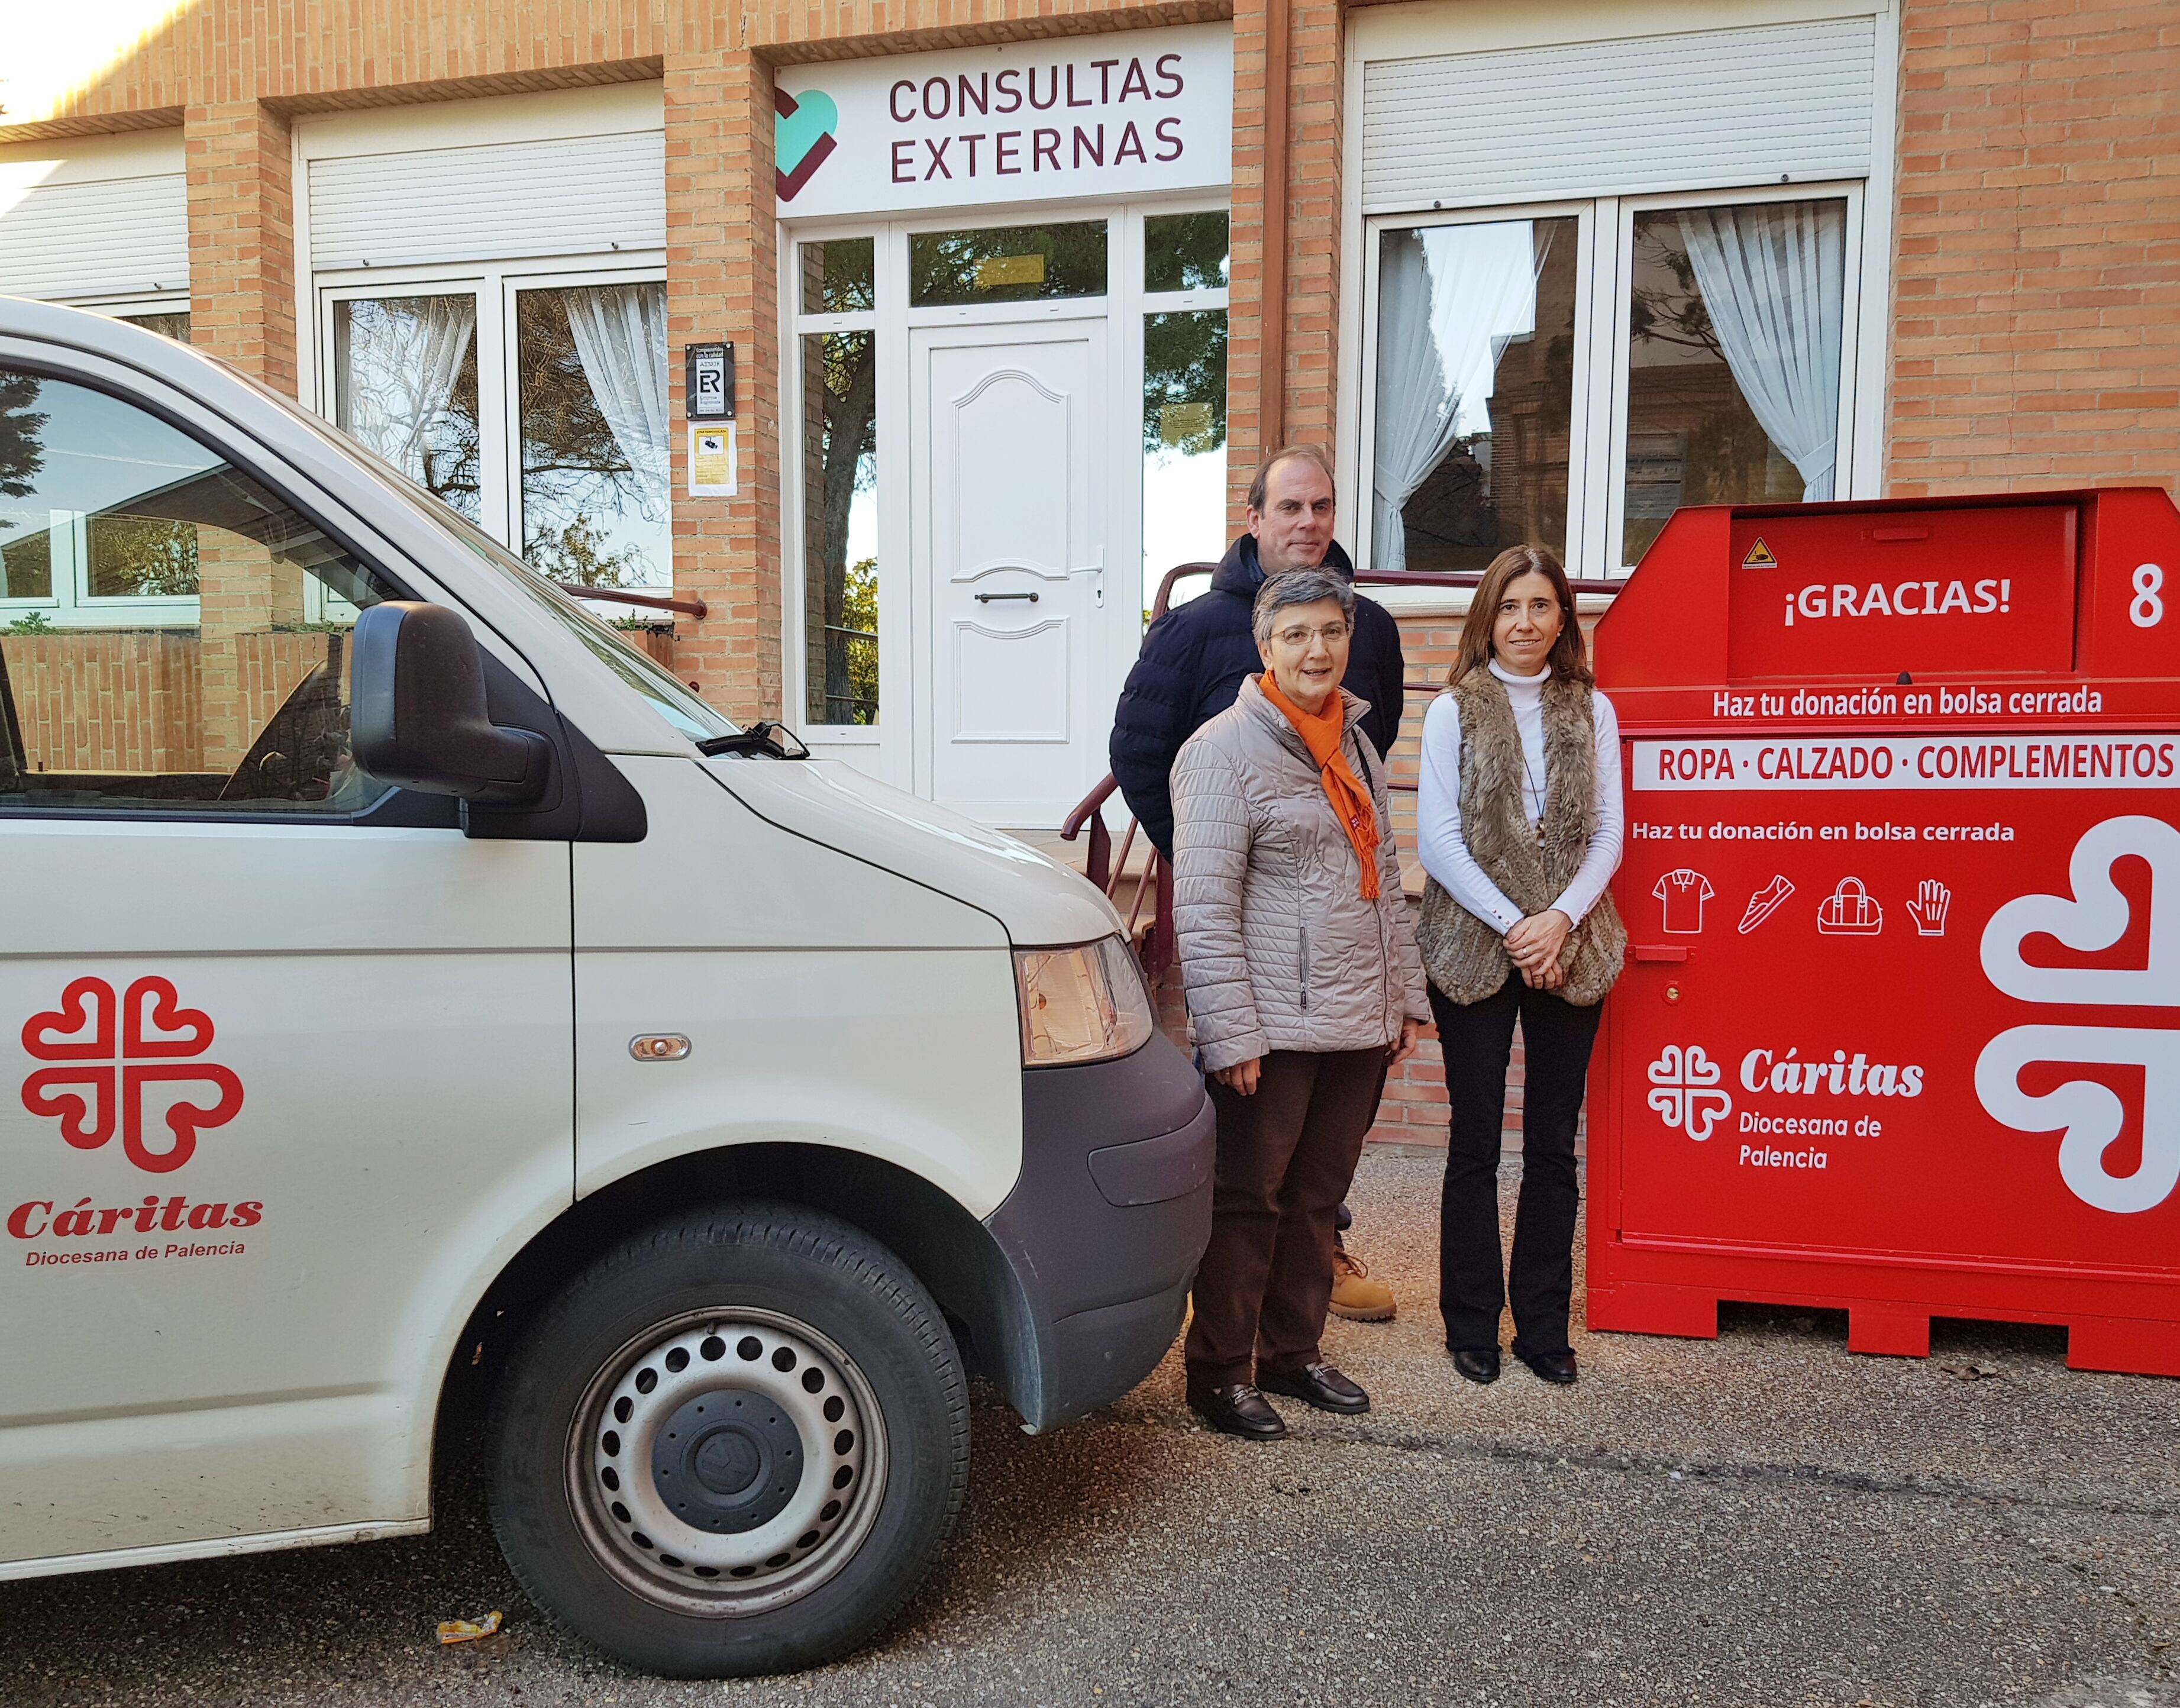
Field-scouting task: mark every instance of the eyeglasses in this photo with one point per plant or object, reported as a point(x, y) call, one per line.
point(1300, 635)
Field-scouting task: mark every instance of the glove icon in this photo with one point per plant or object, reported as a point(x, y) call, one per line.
point(1927, 907)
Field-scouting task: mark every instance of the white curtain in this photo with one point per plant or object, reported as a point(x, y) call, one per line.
point(1772, 276)
point(1450, 300)
point(620, 336)
point(400, 361)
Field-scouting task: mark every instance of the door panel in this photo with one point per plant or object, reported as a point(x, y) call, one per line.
point(1010, 561)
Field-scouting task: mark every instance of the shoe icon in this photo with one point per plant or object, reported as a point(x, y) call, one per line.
point(1765, 903)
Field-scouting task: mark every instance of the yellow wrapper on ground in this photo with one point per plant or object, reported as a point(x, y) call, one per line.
point(468, 1630)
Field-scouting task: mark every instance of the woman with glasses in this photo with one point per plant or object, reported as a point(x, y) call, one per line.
point(1304, 986)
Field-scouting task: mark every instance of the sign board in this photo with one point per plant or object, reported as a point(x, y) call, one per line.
point(711, 473)
point(708, 381)
point(1133, 113)
point(1900, 1031)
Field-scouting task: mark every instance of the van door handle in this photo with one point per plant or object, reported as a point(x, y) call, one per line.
point(990, 598)
point(1661, 951)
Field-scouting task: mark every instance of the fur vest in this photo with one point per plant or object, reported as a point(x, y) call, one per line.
point(1466, 957)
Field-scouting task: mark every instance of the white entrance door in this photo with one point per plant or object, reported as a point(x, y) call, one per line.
point(1009, 553)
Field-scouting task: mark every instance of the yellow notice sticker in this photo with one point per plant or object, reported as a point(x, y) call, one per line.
point(1759, 557)
point(711, 462)
point(1009, 269)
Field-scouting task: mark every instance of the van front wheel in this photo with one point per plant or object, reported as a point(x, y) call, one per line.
point(733, 1445)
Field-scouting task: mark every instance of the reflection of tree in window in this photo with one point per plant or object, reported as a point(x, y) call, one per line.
point(572, 466)
point(1022, 263)
point(26, 558)
point(1694, 435)
point(142, 558)
point(841, 393)
point(1185, 382)
point(406, 386)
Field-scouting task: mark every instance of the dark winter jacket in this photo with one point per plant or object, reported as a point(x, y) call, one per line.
point(1194, 661)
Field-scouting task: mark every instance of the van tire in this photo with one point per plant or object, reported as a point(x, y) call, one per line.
point(801, 1279)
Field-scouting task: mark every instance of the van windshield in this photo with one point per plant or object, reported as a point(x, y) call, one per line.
point(644, 674)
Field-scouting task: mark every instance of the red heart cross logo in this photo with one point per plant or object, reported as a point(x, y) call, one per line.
point(83, 1097)
point(81, 1029)
point(183, 1120)
point(179, 1031)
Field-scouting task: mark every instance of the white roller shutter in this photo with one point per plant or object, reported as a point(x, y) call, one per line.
point(489, 201)
point(1690, 112)
point(106, 222)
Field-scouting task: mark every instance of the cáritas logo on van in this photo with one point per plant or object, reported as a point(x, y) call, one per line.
point(108, 1053)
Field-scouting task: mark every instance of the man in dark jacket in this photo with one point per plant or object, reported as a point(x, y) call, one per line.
point(1193, 663)
point(1195, 656)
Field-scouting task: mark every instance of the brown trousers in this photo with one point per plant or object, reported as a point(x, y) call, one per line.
point(1286, 1157)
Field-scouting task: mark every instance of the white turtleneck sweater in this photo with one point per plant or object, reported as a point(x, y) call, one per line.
point(1444, 849)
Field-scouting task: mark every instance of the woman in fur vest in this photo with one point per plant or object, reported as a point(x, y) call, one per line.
point(1519, 822)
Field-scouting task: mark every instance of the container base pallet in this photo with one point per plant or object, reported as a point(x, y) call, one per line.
point(2127, 1345)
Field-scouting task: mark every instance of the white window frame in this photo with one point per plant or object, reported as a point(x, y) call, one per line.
point(1581, 453)
point(1605, 262)
point(888, 748)
point(494, 285)
point(1605, 546)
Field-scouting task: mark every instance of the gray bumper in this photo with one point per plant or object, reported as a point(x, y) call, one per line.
point(1104, 1229)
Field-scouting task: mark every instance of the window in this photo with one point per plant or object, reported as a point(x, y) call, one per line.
point(1573, 375)
point(597, 450)
point(1734, 317)
point(839, 483)
point(534, 404)
point(1007, 263)
point(1476, 327)
point(174, 325)
point(405, 385)
point(1185, 279)
point(236, 701)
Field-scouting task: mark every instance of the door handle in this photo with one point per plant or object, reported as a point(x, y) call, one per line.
point(1098, 586)
point(990, 598)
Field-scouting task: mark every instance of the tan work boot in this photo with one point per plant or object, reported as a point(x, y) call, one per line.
point(1355, 1296)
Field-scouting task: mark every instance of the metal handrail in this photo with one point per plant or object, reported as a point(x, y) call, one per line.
point(691, 607)
point(1099, 866)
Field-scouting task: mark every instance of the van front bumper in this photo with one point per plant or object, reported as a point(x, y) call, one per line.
point(1104, 1229)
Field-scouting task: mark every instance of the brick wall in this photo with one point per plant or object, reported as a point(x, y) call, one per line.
point(2037, 335)
point(135, 700)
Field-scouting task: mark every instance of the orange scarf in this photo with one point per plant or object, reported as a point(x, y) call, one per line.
point(1324, 735)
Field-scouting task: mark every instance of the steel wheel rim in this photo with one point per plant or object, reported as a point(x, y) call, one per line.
point(650, 1415)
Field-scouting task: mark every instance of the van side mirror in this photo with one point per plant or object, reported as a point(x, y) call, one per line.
point(417, 713)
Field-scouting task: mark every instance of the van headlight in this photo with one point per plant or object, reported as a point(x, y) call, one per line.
point(1087, 1002)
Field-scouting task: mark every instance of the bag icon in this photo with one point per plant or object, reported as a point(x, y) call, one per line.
point(1850, 911)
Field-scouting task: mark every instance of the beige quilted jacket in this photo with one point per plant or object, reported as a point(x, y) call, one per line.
point(1278, 948)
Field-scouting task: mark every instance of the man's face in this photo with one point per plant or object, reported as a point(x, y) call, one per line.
point(1294, 529)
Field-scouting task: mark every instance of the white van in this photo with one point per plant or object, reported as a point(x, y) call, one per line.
point(415, 987)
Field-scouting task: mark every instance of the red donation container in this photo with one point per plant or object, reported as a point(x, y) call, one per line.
point(1900, 1030)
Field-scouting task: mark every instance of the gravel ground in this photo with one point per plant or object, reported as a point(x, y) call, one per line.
point(1762, 1519)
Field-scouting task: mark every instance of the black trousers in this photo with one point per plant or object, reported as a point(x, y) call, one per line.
point(1478, 1040)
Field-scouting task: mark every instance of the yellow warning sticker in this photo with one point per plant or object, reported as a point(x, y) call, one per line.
point(1759, 557)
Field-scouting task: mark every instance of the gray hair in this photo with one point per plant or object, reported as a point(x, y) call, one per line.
point(1301, 587)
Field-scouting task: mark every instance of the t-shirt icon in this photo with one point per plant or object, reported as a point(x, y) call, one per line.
point(1684, 892)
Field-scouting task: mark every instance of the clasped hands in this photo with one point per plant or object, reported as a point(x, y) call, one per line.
point(1243, 1075)
point(1535, 946)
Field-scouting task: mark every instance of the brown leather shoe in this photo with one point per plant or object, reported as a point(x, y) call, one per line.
point(1320, 1386)
point(1237, 1409)
point(1355, 1296)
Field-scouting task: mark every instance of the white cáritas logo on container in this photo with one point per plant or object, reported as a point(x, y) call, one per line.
point(2087, 1112)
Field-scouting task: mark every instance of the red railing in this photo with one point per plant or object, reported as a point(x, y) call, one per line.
point(690, 606)
point(1156, 879)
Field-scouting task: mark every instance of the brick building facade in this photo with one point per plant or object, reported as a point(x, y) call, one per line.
point(1987, 192)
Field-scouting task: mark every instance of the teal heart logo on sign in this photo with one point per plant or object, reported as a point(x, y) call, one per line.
point(802, 127)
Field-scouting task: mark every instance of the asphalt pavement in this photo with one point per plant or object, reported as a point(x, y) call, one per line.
point(1761, 1519)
